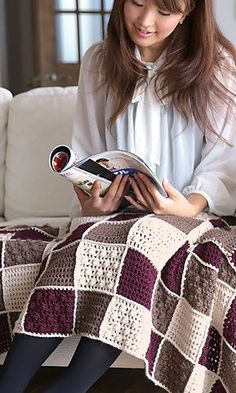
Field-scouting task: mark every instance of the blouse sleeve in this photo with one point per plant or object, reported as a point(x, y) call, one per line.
point(215, 176)
point(89, 122)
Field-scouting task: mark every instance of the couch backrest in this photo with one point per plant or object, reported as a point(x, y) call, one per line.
point(38, 120)
point(5, 99)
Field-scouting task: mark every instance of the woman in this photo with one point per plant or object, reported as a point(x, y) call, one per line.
point(162, 85)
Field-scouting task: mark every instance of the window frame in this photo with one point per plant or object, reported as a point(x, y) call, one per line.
point(77, 11)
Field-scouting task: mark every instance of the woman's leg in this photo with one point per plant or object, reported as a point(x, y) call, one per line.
point(91, 360)
point(24, 358)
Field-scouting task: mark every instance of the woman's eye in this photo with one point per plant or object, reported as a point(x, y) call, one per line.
point(137, 4)
point(164, 13)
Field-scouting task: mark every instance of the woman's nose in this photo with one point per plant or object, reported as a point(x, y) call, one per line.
point(147, 17)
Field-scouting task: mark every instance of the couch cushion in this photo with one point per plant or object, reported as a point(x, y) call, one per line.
point(36, 221)
point(38, 120)
point(5, 98)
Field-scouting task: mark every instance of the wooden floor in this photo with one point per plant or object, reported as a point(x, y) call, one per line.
point(114, 381)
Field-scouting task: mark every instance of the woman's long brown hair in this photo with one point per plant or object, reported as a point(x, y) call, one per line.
point(188, 75)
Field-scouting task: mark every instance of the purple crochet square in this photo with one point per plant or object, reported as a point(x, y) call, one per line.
point(218, 223)
point(218, 387)
point(1, 255)
point(209, 253)
point(128, 216)
point(75, 235)
point(230, 325)
point(31, 234)
point(173, 270)
point(5, 335)
point(50, 311)
point(151, 353)
point(210, 356)
point(4, 230)
point(137, 278)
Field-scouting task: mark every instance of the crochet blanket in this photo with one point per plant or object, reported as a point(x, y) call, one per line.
point(161, 288)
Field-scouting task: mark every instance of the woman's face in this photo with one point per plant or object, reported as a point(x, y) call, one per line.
point(149, 27)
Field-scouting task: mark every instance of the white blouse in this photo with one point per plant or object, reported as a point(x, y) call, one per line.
point(155, 131)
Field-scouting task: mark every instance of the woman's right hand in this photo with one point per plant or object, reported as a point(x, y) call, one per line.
point(96, 205)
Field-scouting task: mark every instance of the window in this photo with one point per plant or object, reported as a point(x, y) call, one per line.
point(79, 24)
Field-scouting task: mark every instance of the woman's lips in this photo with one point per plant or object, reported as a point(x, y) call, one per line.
point(143, 33)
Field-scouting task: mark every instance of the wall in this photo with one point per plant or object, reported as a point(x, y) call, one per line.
point(3, 57)
point(226, 17)
point(19, 31)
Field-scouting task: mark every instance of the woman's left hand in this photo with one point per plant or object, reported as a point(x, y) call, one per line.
point(149, 198)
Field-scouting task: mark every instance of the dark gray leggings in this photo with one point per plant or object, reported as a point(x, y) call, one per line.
point(90, 361)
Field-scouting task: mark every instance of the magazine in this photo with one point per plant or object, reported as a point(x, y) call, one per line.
point(102, 166)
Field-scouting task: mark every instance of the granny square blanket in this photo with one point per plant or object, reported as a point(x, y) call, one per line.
point(161, 288)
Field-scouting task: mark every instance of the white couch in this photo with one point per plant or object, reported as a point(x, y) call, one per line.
point(31, 124)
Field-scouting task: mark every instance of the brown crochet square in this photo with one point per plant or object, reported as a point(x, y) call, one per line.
point(90, 312)
point(199, 285)
point(173, 369)
point(164, 304)
point(61, 268)
point(228, 366)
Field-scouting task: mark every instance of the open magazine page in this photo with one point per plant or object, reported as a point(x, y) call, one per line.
point(64, 161)
point(103, 167)
point(123, 162)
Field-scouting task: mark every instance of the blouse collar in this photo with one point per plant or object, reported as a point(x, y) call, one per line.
point(152, 67)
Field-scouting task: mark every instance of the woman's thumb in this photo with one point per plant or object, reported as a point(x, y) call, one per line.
point(169, 189)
